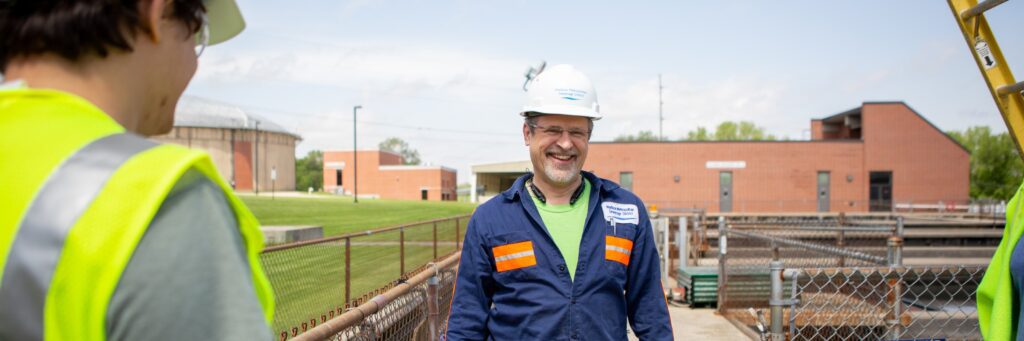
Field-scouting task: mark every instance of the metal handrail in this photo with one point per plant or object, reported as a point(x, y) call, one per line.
point(359, 234)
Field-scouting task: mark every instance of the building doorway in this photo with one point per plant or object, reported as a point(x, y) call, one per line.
point(725, 191)
point(423, 194)
point(824, 179)
point(880, 191)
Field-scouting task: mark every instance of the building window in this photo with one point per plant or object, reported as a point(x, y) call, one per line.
point(626, 180)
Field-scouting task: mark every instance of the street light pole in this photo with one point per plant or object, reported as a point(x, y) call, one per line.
point(355, 157)
point(257, 163)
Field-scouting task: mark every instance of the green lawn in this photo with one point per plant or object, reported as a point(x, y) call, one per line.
point(339, 215)
point(309, 281)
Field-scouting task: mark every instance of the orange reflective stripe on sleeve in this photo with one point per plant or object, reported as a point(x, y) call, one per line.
point(514, 256)
point(617, 249)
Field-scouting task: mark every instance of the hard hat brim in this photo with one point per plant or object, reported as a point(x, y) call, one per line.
point(225, 20)
point(567, 110)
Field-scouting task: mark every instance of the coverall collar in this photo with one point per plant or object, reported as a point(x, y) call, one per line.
point(519, 187)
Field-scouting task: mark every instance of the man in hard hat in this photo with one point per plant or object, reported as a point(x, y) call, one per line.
point(103, 233)
point(562, 254)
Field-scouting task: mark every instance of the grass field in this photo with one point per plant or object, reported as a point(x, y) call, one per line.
point(309, 281)
point(339, 215)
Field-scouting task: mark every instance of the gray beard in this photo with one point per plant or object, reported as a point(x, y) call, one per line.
point(562, 177)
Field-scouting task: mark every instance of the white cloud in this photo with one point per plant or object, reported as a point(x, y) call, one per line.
point(634, 106)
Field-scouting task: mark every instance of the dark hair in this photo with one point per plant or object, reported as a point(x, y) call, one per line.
point(74, 28)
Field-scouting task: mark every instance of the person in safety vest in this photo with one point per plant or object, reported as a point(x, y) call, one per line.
point(562, 254)
point(103, 233)
point(999, 308)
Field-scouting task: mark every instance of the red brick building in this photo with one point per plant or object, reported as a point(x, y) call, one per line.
point(382, 175)
point(868, 158)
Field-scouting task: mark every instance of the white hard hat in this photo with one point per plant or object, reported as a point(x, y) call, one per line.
point(561, 90)
point(225, 20)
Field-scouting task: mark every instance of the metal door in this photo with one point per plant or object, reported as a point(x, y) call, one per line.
point(725, 192)
point(824, 194)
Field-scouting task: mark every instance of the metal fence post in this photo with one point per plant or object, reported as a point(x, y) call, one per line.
point(401, 252)
point(666, 257)
point(683, 242)
point(348, 269)
point(895, 298)
point(435, 240)
point(432, 310)
point(775, 301)
point(457, 234)
point(722, 277)
point(841, 237)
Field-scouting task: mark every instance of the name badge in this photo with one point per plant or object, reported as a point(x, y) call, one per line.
point(621, 213)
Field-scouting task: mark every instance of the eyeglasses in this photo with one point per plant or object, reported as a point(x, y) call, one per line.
point(555, 132)
point(203, 36)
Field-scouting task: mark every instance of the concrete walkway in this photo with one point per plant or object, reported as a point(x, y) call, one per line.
point(701, 324)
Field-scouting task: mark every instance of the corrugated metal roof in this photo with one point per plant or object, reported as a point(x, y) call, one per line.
point(204, 113)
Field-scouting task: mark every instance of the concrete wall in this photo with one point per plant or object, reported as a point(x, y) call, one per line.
point(275, 149)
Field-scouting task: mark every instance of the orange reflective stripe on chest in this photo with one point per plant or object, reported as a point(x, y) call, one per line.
point(617, 249)
point(514, 256)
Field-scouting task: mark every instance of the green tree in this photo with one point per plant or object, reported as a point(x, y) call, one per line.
point(701, 134)
point(396, 145)
point(996, 167)
point(309, 171)
point(731, 131)
point(643, 136)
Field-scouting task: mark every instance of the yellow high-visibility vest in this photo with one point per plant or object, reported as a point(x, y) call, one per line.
point(77, 194)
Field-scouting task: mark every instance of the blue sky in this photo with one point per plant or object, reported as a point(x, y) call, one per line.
point(446, 76)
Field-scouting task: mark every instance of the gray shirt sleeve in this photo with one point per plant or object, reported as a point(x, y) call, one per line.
point(189, 278)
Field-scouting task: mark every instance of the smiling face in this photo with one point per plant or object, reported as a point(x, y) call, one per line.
point(558, 147)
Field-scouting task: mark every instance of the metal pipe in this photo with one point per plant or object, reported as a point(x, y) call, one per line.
point(894, 248)
point(401, 252)
point(722, 250)
point(348, 268)
point(432, 309)
point(358, 314)
point(357, 234)
point(980, 8)
point(775, 303)
point(813, 247)
point(665, 267)
point(683, 240)
point(355, 158)
point(1009, 89)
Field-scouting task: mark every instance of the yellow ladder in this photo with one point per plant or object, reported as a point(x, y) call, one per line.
point(1008, 94)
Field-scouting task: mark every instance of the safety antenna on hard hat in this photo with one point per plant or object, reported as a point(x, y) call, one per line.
point(532, 72)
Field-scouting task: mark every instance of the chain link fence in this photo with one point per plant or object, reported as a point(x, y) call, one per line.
point(892, 303)
point(415, 309)
point(845, 278)
point(317, 280)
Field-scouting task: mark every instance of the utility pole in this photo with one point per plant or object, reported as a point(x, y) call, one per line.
point(257, 163)
point(661, 136)
point(355, 157)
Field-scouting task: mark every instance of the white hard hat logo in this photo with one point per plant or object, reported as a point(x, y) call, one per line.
point(571, 94)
